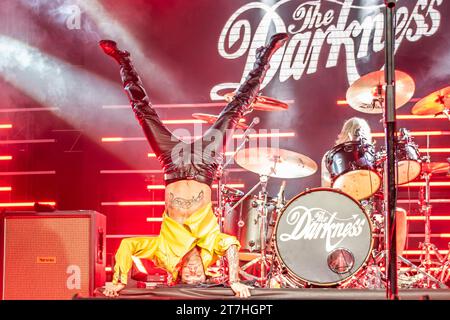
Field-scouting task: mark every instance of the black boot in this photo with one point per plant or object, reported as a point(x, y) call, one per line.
point(249, 89)
point(110, 48)
point(160, 138)
point(130, 79)
point(264, 54)
point(241, 104)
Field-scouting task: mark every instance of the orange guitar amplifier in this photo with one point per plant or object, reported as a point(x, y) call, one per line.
point(52, 255)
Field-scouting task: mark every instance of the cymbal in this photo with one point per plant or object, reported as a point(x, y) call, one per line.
point(211, 118)
point(433, 103)
point(363, 93)
point(262, 103)
point(435, 167)
point(277, 163)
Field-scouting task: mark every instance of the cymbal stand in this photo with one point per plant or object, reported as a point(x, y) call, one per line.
point(427, 247)
point(262, 216)
point(221, 169)
point(426, 275)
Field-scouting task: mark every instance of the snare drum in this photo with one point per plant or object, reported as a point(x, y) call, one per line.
point(244, 222)
point(322, 237)
point(353, 169)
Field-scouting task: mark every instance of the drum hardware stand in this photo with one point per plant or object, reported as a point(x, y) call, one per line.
point(220, 209)
point(445, 268)
point(425, 274)
point(427, 247)
point(262, 259)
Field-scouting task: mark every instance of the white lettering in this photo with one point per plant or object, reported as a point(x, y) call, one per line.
point(74, 278)
point(312, 29)
point(317, 223)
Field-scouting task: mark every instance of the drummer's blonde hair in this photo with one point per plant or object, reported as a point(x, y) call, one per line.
point(348, 131)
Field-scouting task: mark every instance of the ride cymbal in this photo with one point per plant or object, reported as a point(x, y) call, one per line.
point(367, 93)
point(277, 163)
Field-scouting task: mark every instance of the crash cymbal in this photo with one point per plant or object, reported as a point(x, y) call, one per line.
point(365, 93)
point(262, 103)
point(433, 103)
point(211, 118)
point(435, 167)
point(277, 163)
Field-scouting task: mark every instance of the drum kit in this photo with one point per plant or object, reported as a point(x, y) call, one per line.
point(327, 237)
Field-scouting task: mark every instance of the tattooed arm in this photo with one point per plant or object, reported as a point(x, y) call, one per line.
point(240, 289)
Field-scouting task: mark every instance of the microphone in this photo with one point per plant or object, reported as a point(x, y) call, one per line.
point(255, 121)
point(404, 134)
point(358, 136)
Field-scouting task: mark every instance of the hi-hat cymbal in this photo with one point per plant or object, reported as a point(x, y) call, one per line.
point(211, 118)
point(262, 103)
point(365, 93)
point(433, 103)
point(435, 167)
point(277, 163)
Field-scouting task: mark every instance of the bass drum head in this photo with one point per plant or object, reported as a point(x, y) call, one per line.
point(323, 237)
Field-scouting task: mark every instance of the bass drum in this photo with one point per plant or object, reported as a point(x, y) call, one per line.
point(322, 237)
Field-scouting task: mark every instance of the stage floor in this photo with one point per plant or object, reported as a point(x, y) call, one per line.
point(222, 293)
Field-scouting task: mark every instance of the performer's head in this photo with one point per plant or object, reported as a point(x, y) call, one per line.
point(350, 132)
point(192, 268)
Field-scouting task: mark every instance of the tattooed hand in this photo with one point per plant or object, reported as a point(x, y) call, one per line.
point(182, 203)
point(239, 289)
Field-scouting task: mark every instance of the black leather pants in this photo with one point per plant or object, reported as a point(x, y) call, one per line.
point(163, 142)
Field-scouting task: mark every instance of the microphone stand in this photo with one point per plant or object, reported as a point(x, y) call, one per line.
point(246, 133)
point(220, 186)
point(390, 192)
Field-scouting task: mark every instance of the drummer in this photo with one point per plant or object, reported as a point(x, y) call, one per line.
point(358, 129)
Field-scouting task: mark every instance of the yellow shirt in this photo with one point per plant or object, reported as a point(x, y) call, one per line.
point(174, 241)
